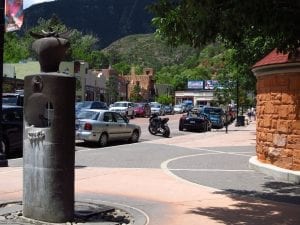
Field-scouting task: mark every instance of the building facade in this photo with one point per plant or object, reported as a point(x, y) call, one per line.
point(145, 81)
point(197, 97)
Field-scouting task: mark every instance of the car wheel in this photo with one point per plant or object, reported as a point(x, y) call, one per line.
point(4, 150)
point(209, 125)
point(180, 126)
point(152, 130)
point(132, 116)
point(166, 132)
point(103, 140)
point(134, 137)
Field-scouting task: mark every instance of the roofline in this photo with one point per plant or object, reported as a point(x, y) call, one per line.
point(280, 68)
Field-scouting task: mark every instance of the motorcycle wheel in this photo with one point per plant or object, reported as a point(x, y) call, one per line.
point(166, 132)
point(152, 130)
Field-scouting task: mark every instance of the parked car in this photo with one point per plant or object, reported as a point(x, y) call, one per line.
point(142, 109)
point(12, 129)
point(169, 110)
point(89, 105)
point(178, 108)
point(216, 115)
point(157, 108)
point(124, 108)
point(13, 99)
point(188, 106)
point(104, 126)
point(194, 121)
point(197, 108)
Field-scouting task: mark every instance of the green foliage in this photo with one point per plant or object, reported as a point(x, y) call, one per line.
point(83, 47)
point(145, 50)
point(15, 50)
point(135, 94)
point(203, 66)
point(164, 99)
point(201, 22)
point(247, 37)
point(122, 68)
point(112, 89)
point(138, 69)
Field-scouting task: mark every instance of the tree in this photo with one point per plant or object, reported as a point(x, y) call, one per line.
point(249, 28)
point(112, 89)
point(122, 68)
point(165, 99)
point(135, 94)
point(83, 47)
point(15, 49)
point(198, 23)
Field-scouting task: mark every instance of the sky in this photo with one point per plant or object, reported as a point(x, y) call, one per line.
point(27, 3)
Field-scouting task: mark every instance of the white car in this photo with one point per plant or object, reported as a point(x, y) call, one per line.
point(124, 108)
point(178, 109)
point(103, 126)
point(157, 108)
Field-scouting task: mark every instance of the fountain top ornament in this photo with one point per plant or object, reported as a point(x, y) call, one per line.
point(51, 47)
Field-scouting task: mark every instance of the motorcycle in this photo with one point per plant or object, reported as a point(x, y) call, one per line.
point(159, 125)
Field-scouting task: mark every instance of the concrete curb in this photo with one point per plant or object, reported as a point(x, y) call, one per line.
point(274, 171)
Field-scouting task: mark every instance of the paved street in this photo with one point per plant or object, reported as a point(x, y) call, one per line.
point(190, 178)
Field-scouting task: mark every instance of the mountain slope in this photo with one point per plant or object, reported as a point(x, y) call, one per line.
point(109, 20)
point(147, 51)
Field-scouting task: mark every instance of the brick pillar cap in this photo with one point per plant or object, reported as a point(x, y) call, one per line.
point(275, 57)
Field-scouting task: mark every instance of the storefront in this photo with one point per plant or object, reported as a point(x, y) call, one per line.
point(198, 97)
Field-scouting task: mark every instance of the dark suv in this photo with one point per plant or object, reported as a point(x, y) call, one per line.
point(12, 129)
point(216, 116)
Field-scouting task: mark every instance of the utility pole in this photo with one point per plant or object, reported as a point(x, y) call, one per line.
point(3, 161)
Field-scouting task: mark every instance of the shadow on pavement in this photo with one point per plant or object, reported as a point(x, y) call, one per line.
point(260, 208)
point(274, 191)
point(250, 213)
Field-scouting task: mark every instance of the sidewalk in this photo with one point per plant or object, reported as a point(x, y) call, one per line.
point(166, 199)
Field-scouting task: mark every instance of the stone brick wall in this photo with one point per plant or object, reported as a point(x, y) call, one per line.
point(145, 81)
point(278, 119)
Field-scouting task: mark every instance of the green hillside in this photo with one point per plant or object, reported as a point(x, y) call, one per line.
point(147, 51)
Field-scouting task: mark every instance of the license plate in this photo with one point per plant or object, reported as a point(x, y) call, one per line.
point(192, 121)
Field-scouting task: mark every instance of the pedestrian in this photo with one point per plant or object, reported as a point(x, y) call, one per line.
point(226, 121)
point(249, 114)
point(253, 114)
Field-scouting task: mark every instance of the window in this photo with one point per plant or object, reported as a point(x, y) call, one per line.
point(108, 117)
point(119, 118)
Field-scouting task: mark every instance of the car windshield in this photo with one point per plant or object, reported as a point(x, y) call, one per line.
point(9, 100)
point(193, 114)
point(155, 105)
point(92, 115)
point(213, 110)
point(82, 105)
point(120, 104)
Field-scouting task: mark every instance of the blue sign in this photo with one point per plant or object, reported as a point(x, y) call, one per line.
point(195, 84)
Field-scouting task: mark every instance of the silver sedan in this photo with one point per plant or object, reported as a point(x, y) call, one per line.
point(103, 126)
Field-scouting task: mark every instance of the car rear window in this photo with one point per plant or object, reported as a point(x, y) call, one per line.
point(120, 104)
point(92, 115)
point(213, 110)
